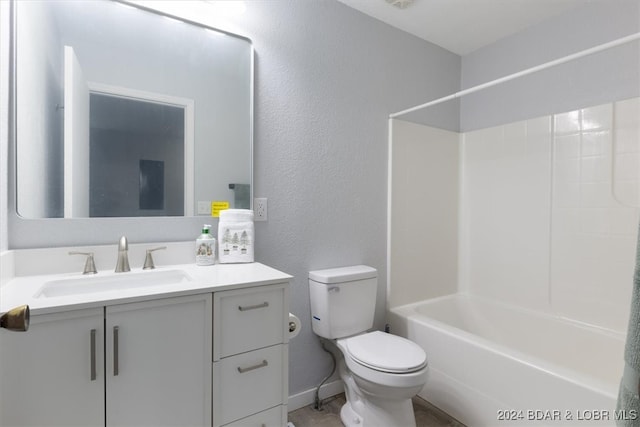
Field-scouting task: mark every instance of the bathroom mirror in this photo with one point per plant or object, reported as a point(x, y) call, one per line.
point(123, 112)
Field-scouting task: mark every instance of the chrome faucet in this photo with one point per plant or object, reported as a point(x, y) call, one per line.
point(89, 265)
point(123, 256)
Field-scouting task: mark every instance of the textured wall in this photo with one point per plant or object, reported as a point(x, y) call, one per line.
point(327, 77)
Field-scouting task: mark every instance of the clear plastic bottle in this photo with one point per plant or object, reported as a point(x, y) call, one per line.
point(205, 247)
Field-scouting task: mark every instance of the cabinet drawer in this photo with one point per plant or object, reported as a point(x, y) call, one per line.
point(248, 319)
point(274, 417)
point(249, 383)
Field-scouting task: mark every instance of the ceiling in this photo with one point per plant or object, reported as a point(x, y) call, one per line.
point(462, 26)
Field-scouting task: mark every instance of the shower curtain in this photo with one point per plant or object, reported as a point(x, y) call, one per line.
point(628, 408)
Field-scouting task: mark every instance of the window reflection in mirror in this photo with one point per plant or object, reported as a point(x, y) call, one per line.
point(126, 137)
point(82, 66)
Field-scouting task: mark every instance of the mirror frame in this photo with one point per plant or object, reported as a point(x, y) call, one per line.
point(28, 232)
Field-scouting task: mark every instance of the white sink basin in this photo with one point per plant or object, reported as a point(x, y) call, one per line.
point(112, 282)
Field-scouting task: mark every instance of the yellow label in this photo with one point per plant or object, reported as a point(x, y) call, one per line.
point(217, 206)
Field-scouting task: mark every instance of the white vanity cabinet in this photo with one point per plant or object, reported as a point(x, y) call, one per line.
point(54, 373)
point(158, 362)
point(209, 351)
point(250, 349)
point(147, 363)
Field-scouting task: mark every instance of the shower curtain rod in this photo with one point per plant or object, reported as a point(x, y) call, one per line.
point(595, 49)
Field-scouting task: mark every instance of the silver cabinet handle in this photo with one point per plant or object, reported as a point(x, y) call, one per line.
point(253, 307)
point(251, 368)
point(116, 368)
point(93, 355)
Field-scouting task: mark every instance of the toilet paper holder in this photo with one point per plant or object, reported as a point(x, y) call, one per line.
point(294, 325)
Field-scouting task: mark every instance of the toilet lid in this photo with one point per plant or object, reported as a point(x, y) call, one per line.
point(386, 352)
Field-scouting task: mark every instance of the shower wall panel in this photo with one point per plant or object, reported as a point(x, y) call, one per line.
point(550, 211)
point(424, 213)
point(595, 214)
point(505, 216)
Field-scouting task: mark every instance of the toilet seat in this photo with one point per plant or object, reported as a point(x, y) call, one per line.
point(385, 352)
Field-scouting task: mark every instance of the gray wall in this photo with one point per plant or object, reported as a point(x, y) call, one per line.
point(327, 77)
point(597, 79)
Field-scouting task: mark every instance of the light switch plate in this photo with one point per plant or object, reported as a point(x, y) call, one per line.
point(204, 207)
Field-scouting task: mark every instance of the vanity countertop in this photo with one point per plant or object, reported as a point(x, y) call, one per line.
point(26, 289)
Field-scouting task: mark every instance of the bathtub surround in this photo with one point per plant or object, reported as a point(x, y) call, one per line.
point(504, 227)
point(628, 398)
point(424, 212)
point(554, 232)
point(595, 207)
point(548, 218)
point(548, 213)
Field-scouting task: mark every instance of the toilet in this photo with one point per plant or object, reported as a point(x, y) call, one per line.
point(381, 372)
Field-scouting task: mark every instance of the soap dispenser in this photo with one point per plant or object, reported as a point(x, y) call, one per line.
point(205, 247)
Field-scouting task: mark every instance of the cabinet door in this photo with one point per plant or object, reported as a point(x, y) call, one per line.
point(158, 362)
point(53, 374)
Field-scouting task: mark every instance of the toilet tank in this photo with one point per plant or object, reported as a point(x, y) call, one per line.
point(343, 300)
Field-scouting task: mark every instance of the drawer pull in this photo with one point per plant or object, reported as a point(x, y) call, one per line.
point(93, 355)
point(251, 368)
point(253, 307)
point(116, 351)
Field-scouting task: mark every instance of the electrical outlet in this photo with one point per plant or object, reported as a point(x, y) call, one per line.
point(260, 209)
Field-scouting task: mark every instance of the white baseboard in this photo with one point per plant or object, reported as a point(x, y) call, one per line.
point(305, 398)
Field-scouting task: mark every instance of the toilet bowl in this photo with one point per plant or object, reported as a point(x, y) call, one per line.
point(381, 372)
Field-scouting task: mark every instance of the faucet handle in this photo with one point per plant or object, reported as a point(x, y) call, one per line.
point(89, 265)
point(148, 259)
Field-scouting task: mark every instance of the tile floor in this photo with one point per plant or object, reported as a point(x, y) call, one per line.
point(427, 415)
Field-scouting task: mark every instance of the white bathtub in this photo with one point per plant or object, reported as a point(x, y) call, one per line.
point(491, 364)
